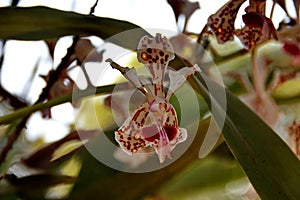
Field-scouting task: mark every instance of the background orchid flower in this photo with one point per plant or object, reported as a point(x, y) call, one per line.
point(269, 73)
point(258, 27)
point(259, 99)
point(154, 123)
point(291, 48)
point(222, 22)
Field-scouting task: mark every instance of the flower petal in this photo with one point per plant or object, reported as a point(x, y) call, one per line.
point(129, 134)
point(222, 22)
point(164, 137)
point(152, 133)
point(171, 118)
point(291, 48)
point(158, 138)
point(250, 37)
point(165, 147)
point(253, 19)
point(258, 29)
point(280, 77)
point(177, 78)
point(155, 50)
point(258, 6)
point(264, 106)
point(171, 123)
point(156, 53)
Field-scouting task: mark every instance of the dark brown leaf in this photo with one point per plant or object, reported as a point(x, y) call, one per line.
point(39, 23)
point(38, 181)
point(183, 7)
point(282, 4)
point(297, 5)
point(42, 158)
point(51, 43)
point(14, 2)
point(12, 100)
point(86, 50)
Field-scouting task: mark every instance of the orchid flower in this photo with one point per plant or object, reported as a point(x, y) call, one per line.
point(222, 22)
point(266, 60)
point(259, 99)
point(258, 27)
point(153, 124)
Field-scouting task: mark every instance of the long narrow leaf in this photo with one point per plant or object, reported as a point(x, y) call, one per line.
point(39, 23)
point(270, 165)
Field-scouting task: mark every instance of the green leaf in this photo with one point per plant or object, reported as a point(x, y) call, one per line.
point(204, 178)
point(270, 165)
point(39, 23)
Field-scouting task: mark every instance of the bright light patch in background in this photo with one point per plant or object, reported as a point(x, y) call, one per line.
point(21, 58)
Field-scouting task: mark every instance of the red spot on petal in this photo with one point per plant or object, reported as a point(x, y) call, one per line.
point(171, 132)
point(292, 49)
point(220, 30)
point(150, 133)
point(145, 56)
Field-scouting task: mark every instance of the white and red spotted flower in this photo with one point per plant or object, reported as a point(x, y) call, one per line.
point(154, 123)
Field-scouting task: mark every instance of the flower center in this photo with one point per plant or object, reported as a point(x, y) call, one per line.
point(152, 133)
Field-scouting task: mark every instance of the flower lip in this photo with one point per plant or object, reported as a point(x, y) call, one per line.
point(152, 133)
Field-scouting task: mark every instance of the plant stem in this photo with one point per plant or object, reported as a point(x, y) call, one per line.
point(57, 101)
